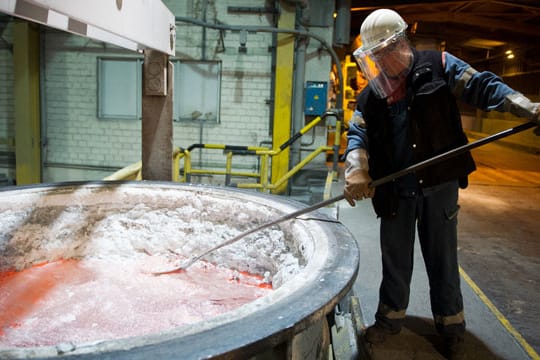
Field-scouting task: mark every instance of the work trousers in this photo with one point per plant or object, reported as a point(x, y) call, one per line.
point(433, 212)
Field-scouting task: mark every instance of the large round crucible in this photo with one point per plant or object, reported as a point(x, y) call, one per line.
point(311, 264)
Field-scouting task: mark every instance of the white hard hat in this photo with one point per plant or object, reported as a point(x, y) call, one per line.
point(385, 56)
point(380, 26)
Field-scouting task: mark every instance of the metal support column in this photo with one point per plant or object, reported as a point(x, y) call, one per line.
point(157, 129)
point(283, 92)
point(27, 110)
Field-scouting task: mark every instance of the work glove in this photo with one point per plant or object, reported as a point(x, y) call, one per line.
point(357, 179)
point(519, 105)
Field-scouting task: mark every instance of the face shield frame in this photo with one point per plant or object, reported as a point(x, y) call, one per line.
point(386, 64)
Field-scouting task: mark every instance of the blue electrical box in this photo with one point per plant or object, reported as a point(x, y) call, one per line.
point(316, 97)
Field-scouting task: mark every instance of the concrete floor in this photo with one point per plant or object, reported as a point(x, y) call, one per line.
point(499, 252)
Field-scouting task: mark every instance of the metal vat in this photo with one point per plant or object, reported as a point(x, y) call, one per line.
point(290, 323)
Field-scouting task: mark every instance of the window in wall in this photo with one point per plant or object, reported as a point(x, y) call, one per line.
point(197, 90)
point(119, 88)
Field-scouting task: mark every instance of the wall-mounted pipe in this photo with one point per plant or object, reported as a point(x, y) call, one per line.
point(302, 33)
point(298, 90)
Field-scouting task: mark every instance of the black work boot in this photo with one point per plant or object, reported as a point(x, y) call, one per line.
point(378, 333)
point(455, 347)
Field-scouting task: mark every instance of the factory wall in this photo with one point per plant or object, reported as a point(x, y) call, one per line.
point(245, 77)
point(77, 140)
point(80, 145)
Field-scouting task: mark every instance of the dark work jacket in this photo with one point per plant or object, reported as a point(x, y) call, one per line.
point(434, 128)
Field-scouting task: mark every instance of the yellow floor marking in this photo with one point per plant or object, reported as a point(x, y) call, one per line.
point(502, 319)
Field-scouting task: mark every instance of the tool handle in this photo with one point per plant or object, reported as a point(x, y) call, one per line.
point(452, 153)
point(268, 224)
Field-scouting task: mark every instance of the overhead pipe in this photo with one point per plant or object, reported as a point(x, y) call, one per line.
point(301, 33)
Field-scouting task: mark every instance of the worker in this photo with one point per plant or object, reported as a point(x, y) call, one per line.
point(409, 113)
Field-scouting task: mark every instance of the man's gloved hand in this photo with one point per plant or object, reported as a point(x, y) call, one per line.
point(521, 106)
point(357, 177)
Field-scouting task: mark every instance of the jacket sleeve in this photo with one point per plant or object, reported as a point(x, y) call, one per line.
point(482, 89)
point(357, 133)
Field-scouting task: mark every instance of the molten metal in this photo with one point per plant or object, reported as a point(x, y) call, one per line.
point(90, 300)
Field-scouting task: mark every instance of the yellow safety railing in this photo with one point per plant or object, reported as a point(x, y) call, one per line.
point(265, 155)
point(187, 171)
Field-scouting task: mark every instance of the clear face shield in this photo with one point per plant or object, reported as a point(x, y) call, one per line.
point(386, 65)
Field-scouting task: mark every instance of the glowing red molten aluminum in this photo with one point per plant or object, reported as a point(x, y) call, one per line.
point(94, 299)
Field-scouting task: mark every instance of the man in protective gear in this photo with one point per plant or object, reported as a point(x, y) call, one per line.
point(408, 113)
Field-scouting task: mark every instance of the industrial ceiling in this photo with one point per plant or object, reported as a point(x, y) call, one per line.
point(474, 30)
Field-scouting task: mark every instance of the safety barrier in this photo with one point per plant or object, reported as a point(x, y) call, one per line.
point(186, 172)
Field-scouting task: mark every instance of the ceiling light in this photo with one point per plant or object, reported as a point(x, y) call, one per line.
point(483, 43)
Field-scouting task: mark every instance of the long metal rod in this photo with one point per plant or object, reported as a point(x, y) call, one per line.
point(454, 152)
point(290, 216)
point(383, 180)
